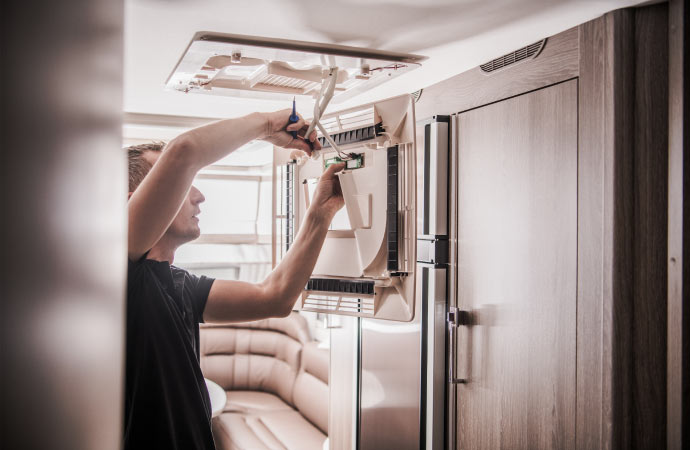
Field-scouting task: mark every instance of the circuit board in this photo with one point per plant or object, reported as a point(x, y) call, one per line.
point(356, 162)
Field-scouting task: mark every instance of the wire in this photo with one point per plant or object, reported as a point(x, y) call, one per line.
point(324, 97)
point(395, 66)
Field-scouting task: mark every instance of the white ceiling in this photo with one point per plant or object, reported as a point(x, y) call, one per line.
point(456, 35)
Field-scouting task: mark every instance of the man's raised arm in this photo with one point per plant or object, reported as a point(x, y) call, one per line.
point(237, 301)
point(154, 204)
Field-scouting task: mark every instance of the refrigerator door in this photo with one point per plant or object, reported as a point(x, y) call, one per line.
point(403, 366)
point(517, 271)
point(433, 258)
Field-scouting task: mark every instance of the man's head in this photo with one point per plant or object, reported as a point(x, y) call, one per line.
point(185, 226)
point(141, 158)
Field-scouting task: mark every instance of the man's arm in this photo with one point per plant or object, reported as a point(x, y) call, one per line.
point(236, 301)
point(155, 203)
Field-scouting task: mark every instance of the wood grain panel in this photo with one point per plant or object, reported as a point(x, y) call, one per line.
point(591, 281)
point(678, 220)
point(604, 232)
point(517, 256)
point(622, 230)
point(618, 221)
point(557, 62)
point(650, 193)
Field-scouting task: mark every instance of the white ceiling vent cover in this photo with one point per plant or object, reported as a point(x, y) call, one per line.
point(248, 66)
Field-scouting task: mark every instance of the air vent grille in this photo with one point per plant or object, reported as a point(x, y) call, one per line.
point(288, 82)
point(392, 228)
point(350, 120)
point(288, 208)
point(325, 302)
point(335, 285)
point(520, 55)
point(353, 136)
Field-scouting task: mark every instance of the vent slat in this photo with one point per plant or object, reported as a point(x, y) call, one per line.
point(327, 302)
point(522, 54)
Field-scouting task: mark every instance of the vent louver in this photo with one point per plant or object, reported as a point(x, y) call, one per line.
point(325, 302)
point(353, 136)
point(520, 55)
point(392, 210)
point(334, 285)
point(349, 297)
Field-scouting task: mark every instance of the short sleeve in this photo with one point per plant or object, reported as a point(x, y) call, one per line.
point(200, 288)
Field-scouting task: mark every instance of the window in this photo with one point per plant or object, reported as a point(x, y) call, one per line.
point(235, 219)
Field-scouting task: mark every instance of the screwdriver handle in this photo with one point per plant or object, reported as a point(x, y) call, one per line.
point(294, 118)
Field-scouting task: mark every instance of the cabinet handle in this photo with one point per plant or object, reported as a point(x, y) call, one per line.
point(454, 318)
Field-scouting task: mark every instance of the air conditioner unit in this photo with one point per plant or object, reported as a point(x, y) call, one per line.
point(367, 266)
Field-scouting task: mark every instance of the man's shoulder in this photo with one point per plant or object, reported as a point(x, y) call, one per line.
point(146, 272)
point(179, 272)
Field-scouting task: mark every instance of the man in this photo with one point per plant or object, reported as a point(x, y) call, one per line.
point(166, 402)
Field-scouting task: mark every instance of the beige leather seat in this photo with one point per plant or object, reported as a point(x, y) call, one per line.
point(276, 381)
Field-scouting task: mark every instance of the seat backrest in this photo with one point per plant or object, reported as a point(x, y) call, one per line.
point(311, 386)
point(258, 356)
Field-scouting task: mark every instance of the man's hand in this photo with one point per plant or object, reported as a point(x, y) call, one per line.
point(278, 131)
point(328, 197)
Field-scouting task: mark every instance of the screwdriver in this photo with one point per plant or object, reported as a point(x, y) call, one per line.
point(294, 118)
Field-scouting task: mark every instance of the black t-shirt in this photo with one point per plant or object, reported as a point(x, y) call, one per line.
point(166, 401)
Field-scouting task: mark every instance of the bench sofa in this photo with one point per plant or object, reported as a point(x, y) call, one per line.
point(276, 381)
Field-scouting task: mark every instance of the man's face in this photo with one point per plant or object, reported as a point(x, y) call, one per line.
point(185, 226)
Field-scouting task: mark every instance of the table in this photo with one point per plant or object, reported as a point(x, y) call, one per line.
point(218, 397)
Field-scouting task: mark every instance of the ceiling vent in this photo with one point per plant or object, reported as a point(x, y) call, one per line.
point(249, 66)
point(512, 58)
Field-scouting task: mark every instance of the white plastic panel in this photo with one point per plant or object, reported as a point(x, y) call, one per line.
point(359, 252)
point(249, 66)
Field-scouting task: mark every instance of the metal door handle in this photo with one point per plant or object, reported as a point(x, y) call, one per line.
point(454, 317)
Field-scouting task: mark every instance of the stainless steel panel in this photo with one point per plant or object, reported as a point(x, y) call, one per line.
point(451, 405)
point(343, 377)
point(453, 212)
point(390, 383)
point(64, 190)
point(436, 180)
point(435, 330)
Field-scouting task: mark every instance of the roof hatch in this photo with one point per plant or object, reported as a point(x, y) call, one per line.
point(248, 66)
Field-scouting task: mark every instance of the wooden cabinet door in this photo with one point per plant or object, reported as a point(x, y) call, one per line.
point(517, 271)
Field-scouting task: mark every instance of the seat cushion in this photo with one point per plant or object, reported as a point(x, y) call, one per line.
point(248, 359)
point(310, 392)
point(254, 401)
point(266, 430)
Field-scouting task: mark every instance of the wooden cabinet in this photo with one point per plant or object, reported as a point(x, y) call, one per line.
point(517, 271)
point(560, 237)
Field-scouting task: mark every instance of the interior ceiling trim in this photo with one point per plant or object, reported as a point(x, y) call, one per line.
point(311, 47)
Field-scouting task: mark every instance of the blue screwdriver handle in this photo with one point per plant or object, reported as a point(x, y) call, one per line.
point(294, 118)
